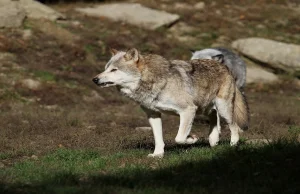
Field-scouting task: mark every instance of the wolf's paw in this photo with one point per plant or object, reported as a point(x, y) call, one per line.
point(213, 138)
point(161, 155)
point(191, 139)
point(234, 140)
point(233, 143)
point(213, 143)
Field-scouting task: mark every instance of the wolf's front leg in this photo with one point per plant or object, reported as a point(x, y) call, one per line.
point(186, 122)
point(154, 119)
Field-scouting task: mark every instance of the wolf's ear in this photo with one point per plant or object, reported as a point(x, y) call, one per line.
point(219, 58)
point(132, 54)
point(192, 51)
point(113, 51)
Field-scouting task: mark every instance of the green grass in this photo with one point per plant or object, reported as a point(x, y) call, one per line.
point(89, 48)
point(11, 96)
point(295, 130)
point(45, 76)
point(270, 168)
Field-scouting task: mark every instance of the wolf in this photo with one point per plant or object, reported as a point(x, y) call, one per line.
point(178, 87)
point(235, 63)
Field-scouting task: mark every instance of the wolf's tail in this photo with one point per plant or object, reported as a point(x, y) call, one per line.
point(240, 110)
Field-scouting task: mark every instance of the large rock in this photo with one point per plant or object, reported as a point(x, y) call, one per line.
point(257, 74)
point(11, 14)
point(37, 10)
point(276, 54)
point(132, 13)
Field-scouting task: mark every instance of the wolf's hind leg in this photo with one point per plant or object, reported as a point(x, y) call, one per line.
point(215, 128)
point(226, 110)
point(186, 122)
point(234, 134)
point(154, 119)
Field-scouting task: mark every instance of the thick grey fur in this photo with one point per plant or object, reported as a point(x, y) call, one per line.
point(235, 63)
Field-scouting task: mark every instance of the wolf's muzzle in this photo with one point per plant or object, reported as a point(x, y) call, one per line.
point(102, 84)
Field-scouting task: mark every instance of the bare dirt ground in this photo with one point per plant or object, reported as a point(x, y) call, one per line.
point(69, 111)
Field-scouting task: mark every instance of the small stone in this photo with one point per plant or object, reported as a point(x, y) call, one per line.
point(27, 34)
point(4, 56)
point(25, 121)
point(31, 84)
point(94, 96)
point(92, 127)
point(258, 141)
point(205, 35)
point(51, 107)
point(223, 39)
point(240, 23)
point(182, 6)
point(143, 129)
point(218, 12)
point(113, 124)
point(69, 22)
point(200, 5)
point(181, 28)
point(218, 44)
point(260, 26)
point(2, 165)
point(76, 23)
point(34, 157)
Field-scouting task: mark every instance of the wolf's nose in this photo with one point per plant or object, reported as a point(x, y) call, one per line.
point(95, 80)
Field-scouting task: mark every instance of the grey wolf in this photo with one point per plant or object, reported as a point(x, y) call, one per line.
point(180, 88)
point(235, 63)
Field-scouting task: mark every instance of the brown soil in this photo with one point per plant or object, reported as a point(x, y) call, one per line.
point(36, 122)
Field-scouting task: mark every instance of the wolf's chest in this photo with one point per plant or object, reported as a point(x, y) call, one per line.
point(143, 98)
point(150, 101)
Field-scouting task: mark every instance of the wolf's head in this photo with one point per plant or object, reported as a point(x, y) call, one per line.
point(208, 54)
point(121, 70)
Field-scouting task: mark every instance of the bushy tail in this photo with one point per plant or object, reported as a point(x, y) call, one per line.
point(240, 110)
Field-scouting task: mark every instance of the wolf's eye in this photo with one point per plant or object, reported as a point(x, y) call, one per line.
point(113, 70)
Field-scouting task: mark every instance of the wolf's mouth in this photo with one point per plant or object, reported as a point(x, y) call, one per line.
point(106, 84)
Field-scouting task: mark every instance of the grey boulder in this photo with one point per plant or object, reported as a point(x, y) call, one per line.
point(132, 13)
point(276, 54)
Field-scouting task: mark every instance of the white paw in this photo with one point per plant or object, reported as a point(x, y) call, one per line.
point(213, 139)
point(180, 140)
point(191, 139)
point(161, 155)
point(233, 143)
point(234, 140)
point(213, 142)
